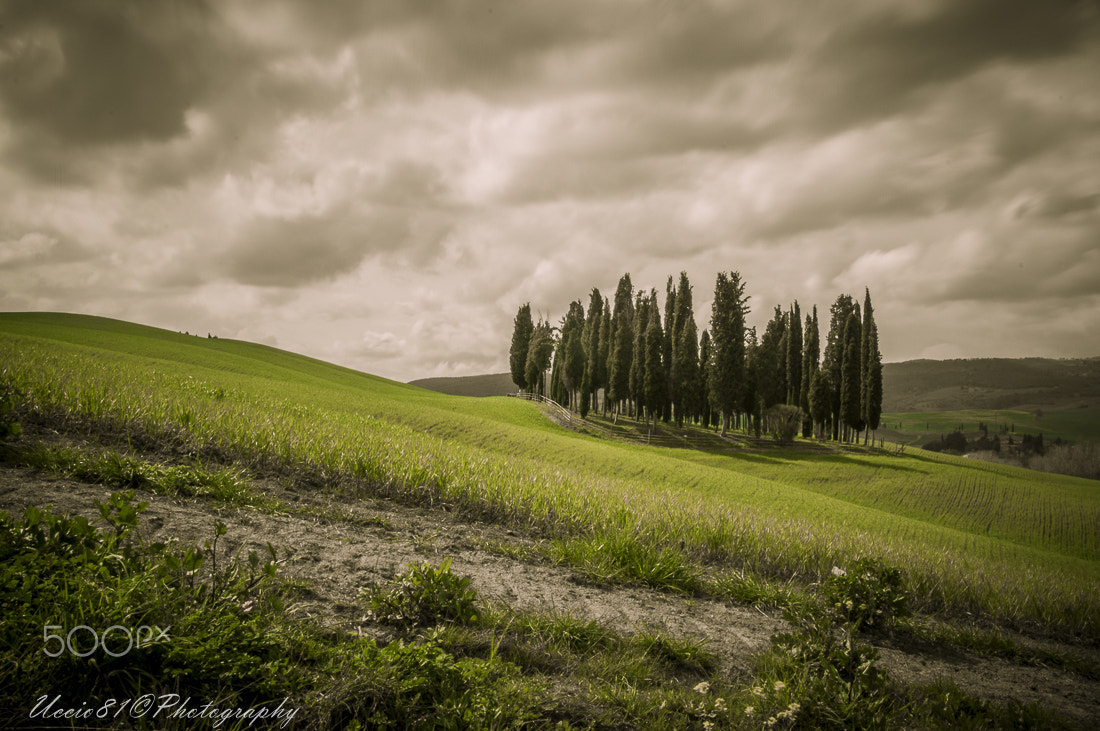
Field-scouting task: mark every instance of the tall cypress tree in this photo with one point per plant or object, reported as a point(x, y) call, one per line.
point(682, 317)
point(811, 356)
point(656, 386)
point(821, 400)
point(637, 367)
point(668, 338)
point(591, 380)
point(524, 328)
point(622, 346)
point(794, 355)
point(687, 371)
point(703, 394)
point(751, 400)
point(605, 351)
point(851, 384)
point(871, 370)
point(572, 338)
point(539, 353)
point(770, 362)
point(834, 357)
point(727, 334)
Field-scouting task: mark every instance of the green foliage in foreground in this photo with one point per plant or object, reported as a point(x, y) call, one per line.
point(228, 637)
point(978, 538)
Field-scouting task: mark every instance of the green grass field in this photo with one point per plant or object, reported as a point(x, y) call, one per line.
point(989, 539)
point(1076, 424)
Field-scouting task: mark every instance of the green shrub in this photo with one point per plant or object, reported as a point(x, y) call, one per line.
point(423, 596)
point(868, 594)
point(821, 676)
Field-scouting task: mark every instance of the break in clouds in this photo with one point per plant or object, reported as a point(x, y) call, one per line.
point(382, 184)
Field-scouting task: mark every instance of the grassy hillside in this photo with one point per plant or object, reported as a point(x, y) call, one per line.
point(971, 536)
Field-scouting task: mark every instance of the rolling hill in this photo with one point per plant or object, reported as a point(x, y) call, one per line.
point(990, 383)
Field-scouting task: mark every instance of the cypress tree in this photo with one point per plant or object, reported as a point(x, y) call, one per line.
point(591, 380)
point(821, 399)
point(538, 357)
point(682, 382)
point(770, 362)
point(605, 351)
point(524, 328)
point(810, 356)
point(851, 384)
point(871, 369)
point(834, 357)
point(751, 401)
point(688, 372)
point(727, 335)
point(872, 376)
point(794, 355)
point(622, 345)
point(703, 394)
point(637, 367)
point(656, 386)
point(572, 336)
point(668, 339)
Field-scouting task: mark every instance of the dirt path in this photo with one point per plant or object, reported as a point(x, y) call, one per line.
point(374, 540)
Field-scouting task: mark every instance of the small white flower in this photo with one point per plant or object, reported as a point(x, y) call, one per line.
point(702, 688)
point(837, 571)
point(749, 710)
point(780, 685)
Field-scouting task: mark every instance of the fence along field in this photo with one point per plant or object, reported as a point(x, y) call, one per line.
point(971, 536)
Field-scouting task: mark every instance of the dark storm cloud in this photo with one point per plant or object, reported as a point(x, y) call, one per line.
point(96, 72)
point(877, 67)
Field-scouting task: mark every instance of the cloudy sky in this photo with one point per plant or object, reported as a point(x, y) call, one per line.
point(381, 184)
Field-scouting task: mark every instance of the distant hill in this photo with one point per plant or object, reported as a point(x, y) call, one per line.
point(918, 385)
point(495, 384)
point(990, 383)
